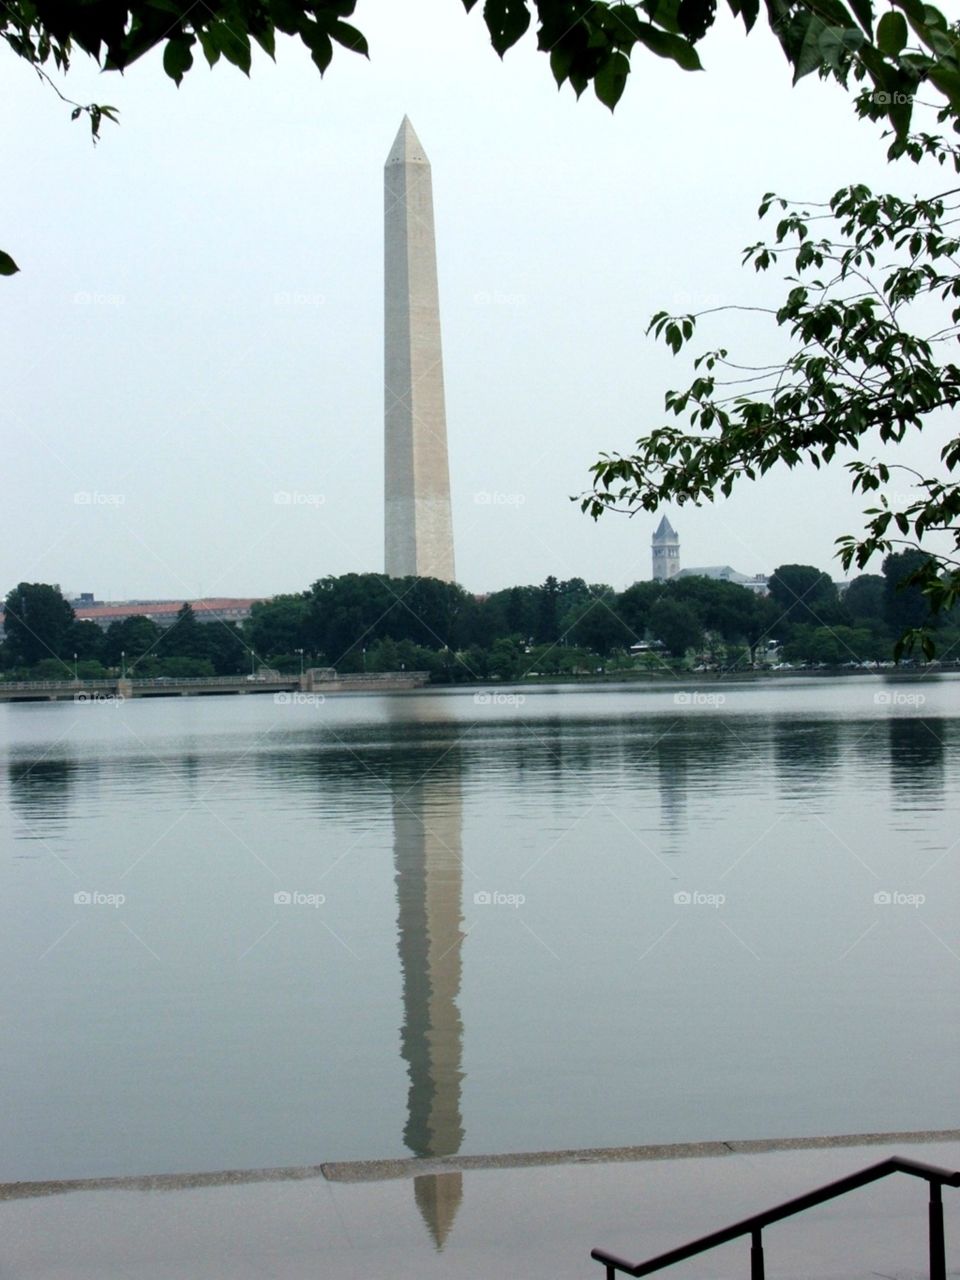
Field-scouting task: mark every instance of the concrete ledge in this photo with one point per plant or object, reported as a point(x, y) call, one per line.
point(414, 1167)
point(377, 1170)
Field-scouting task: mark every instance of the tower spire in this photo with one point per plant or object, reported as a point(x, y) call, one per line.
point(418, 528)
point(665, 552)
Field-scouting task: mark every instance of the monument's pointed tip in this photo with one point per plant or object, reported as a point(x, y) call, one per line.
point(407, 147)
point(438, 1196)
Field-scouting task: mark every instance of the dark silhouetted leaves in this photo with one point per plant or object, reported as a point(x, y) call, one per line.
point(696, 17)
point(506, 20)
point(177, 57)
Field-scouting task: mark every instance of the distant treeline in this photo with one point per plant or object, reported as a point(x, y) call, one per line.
point(359, 622)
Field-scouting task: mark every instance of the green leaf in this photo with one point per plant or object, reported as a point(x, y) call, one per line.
point(836, 45)
point(747, 9)
point(696, 17)
point(611, 79)
point(624, 19)
point(7, 265)
point(809, 58)
point(211, 50)
point(234, 43)
point(318, 42)
point(912, 8)
point(863, 11)
point(266, 38)
point(506, 20)
point(948, 82)
point(350, 38)
point(561, 60)
point(662, 13)
point(177, 58)
point(892, 33)
point(666, 45)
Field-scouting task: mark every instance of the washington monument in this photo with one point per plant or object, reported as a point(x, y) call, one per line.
point(418, 527)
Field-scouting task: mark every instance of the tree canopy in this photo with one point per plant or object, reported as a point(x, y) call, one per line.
point(37, 621)
point(588, 42)
point(368, 622)
point(909, 47)
point(871, 308)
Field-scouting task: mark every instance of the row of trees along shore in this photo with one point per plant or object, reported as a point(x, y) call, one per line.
point(367, 622)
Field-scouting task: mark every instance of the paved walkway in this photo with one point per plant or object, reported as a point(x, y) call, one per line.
point(530, 1216)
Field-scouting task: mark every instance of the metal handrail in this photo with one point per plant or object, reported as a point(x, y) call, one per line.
point(754, 1225)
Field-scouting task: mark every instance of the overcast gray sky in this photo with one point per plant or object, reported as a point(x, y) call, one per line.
point(197, 327)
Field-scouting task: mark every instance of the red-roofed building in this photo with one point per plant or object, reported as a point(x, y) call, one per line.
point(164, 612)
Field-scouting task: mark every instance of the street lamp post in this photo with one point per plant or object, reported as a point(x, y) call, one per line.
point(75, 678)
point(123, 662)
point(300, 651)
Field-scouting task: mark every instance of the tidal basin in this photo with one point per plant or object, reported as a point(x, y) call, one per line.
point(243, 933)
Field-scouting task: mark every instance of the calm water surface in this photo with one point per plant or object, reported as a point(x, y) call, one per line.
point(598, 917)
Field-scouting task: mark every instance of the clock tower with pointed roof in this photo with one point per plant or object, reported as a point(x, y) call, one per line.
point(665, 550)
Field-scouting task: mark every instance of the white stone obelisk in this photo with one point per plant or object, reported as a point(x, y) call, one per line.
point(418, 526)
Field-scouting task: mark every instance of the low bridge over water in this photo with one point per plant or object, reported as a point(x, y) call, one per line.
point(118, 689)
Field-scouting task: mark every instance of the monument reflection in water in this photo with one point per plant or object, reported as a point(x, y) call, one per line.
point(427, 818)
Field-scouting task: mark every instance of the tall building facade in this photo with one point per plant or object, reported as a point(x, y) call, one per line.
point(665, 552)
point(418, 527)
